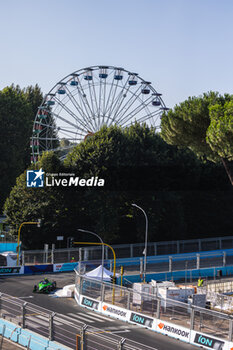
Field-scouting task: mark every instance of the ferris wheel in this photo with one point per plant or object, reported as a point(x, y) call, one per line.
point(82, 102)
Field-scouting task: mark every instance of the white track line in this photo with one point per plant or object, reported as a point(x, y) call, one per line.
point(95, 318)
point(80, 317)
point(103, 318)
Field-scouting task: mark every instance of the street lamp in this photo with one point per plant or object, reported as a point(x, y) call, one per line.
point(38, 223)
point(102, 243)
point(146, 234)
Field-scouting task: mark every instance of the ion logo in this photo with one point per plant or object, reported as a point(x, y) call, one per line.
point(90, 303)
point(144, 321)
point(35, 178)
point(208, 342)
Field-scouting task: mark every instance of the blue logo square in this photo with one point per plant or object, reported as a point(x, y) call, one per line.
point(35, 178)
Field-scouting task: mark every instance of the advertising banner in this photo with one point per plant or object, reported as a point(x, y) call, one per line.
point(90, 303)
point(64, 267)
point(173, 330)
point(7, 270)
point(38, 268)
point(208, 342)
point(115, 311)
point(230, 345)
point(142, 320)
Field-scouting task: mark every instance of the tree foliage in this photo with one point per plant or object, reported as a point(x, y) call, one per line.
point(138, 167)
point(204, 125)
point(17, 112)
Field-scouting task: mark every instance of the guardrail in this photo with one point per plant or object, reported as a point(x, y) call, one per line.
point(54, 327)
point(163, 263)
point(190, 323)
point(126, 250)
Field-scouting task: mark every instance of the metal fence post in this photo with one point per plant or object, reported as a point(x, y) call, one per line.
point(198, 261)
point(52, 255)
point(23, 307)
point(79, 260)
point(170, 263)
point(141, 266)
point(120, 344)
point(230, 329)
point(224, 259)
point(82, 335)
point(46, 248)
point(192, 318)
point(158, 307)
point(131, 250)
point(106, 253)
point(155, 248)
point(128, 300)
point(23, 258)
point(51, 316)
point(111, 265)
point(102, 291)
point(81, 285)
point(199, 245)
point(80, 255)
point(220, 243)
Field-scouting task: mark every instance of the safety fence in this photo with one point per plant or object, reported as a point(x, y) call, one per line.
point(135, 266)
point(126, 250)
point(65, 330)
point(220, 294)
point(184, 321)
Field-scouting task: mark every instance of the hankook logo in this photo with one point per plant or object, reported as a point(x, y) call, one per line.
point(174, 330)
point(114, 311)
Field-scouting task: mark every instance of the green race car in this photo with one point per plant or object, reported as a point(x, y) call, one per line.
point(45, 286)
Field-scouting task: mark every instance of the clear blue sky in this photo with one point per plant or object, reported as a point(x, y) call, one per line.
point(184, 47)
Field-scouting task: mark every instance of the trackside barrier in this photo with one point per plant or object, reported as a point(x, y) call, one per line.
point(170, 267)
point(54, 331)
point(126, 250)
point(188, 323)
point(27, 338)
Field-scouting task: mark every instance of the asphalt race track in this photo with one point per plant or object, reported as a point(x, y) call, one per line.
point(22, 286)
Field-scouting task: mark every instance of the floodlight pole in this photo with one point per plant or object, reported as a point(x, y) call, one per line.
point(146, 235)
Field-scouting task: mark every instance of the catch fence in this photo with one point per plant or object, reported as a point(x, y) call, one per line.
point(151, 305)
point(154, 249)
point(61, 328)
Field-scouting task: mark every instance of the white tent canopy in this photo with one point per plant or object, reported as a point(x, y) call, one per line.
point(97, 274)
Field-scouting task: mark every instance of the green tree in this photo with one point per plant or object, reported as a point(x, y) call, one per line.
point(220, 133)
point(138, 167)
point(196, 124)
point(17, 112)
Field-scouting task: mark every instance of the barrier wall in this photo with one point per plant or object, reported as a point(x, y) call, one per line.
point(26, 338)
point(158, 276)
point(8, 247)
point(181, 275)
point(160, 326)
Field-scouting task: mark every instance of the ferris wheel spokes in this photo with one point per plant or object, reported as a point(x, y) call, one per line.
point(82, 102)
point(135, 98)
point(86, 118)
